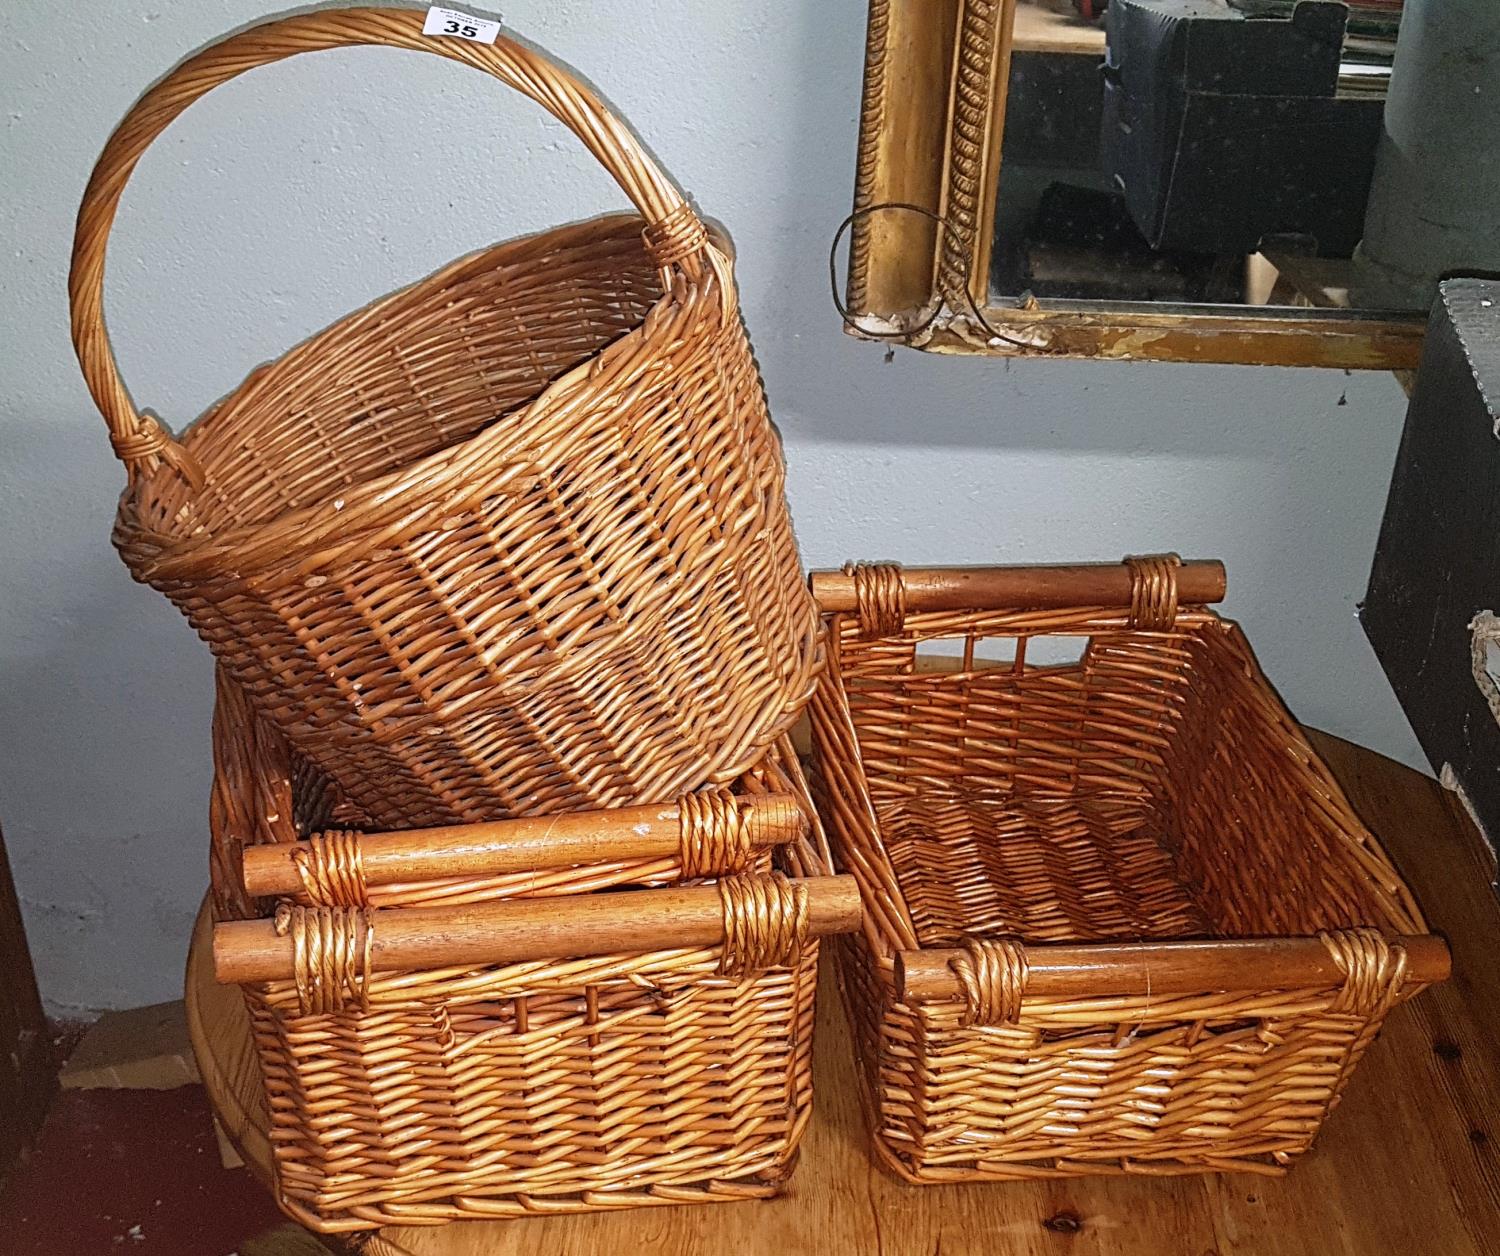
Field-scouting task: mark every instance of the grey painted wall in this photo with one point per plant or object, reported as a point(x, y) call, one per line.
point(290, 197)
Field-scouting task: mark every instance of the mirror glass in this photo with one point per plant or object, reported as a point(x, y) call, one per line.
point(1191, 152)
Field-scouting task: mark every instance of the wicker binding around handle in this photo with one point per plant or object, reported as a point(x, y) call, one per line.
point(710, 834)
point(881, 595)
point(674, 235)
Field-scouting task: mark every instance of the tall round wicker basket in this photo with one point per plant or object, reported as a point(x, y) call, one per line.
point(513, 539)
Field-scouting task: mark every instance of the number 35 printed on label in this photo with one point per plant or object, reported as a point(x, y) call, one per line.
point(458, 25)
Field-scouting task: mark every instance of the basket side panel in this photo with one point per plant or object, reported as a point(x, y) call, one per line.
point(1212, 1083)
point(842, 792)
point(1021, 723)
point(464, 1107)
point(1257, 823)
point(893, 1061)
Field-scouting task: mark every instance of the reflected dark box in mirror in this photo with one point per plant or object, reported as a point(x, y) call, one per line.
point(1061, 229)
point(1221, 129)
point(1434, 593)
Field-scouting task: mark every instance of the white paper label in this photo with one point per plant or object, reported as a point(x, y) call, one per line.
point(460, 25)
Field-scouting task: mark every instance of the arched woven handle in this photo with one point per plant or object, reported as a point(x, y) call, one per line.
point(674, 235)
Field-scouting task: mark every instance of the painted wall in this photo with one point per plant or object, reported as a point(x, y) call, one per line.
point(290, 197)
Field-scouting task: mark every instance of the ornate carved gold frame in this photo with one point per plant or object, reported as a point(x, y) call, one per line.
point(932, 115)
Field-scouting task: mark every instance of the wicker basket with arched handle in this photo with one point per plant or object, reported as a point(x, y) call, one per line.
point(510, 540)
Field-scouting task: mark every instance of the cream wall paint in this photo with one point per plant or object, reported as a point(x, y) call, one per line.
point(290, 197)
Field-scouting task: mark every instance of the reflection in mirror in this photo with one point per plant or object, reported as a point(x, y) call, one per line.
point(1193, 152)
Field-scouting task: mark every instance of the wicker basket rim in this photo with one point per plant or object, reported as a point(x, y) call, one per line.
point(247, 549)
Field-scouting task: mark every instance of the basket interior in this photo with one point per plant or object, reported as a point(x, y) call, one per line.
point(1079, 781)
point(1082, 868)
point(418, 371)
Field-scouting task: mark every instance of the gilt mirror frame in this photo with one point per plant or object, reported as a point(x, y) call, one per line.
point(931, 120)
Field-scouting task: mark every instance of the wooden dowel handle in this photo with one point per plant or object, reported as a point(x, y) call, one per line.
point(1166, 968)
point(521, 845)
point(1023, 588)
point(521, 930)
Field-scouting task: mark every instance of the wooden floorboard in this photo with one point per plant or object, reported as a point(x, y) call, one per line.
point(1406, 1167)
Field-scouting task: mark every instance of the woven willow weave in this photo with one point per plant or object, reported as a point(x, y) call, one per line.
point(511, 540)
point(553, 1086)
point(1152, 790)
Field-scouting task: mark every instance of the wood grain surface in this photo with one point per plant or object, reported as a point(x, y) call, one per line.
point(1033, 587)
point(421, 939)
point(531, 842)
point(1054, 26)
point(1408, 1164)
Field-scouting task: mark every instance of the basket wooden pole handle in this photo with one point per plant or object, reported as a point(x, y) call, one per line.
point(1138, 969)
point(889, 591)
point(674, 234)
point(748, 912)
point(711, 833)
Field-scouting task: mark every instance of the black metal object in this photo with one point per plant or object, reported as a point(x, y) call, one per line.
point(1436, 577)
point(1223, 129)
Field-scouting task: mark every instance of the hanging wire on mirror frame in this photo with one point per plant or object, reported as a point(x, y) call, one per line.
point(908, 333)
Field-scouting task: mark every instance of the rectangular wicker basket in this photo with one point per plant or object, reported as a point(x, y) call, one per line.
point(1118, 916)
point(656, 1074)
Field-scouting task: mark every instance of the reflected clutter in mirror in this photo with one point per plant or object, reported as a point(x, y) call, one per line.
point(1190, 152)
